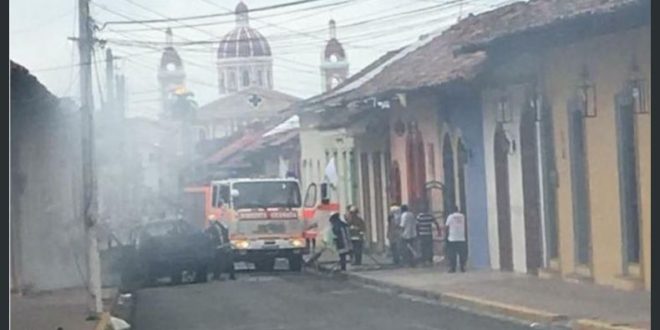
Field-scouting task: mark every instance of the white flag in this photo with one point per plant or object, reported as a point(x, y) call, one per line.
point(331, 172)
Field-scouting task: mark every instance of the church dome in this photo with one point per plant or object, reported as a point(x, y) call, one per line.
point(243, 41)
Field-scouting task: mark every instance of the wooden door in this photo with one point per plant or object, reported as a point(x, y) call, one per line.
point(531, 192)
point(579, 183)
point(378, 202)
point(461, 154)
point(366, 195)
point(449, 175)
point(501, 153)
point(628, 178)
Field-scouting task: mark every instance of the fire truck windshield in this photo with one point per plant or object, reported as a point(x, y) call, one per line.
point(263, 194)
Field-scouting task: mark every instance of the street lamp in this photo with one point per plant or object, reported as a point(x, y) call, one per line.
point(637, 87)
point(504, 111)
point(587, 91)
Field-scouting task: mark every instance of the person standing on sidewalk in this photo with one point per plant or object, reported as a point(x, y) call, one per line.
point(425, 223)
point(341, 238)
point(394, 233)
point(408, 224)
point(357, 229)
point(456, 244)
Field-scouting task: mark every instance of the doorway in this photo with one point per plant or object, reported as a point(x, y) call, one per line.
point(531, 192)
point(449, 174)
point(579, 183)
point(501, 154)
point(628, 179)
point(462, 157)
point(378, 201)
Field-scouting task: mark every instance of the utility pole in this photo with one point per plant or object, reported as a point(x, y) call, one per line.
point(90, 211)
point(110, 80)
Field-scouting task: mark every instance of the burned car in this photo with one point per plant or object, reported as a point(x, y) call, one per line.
point(167, 249)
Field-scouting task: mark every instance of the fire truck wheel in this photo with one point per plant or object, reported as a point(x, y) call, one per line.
point(295, 263)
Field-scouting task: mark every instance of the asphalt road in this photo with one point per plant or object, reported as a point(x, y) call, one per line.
point(292, 301)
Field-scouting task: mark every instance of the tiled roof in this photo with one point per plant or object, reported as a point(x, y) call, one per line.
point(524, 16)
point(234, 148)
point(434, 63)
point(27, 92)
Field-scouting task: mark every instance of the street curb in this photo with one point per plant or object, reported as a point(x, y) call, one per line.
point(486, 306)
point(104, 322)
point(509, 310)
point(589, 324)
point(472, 303)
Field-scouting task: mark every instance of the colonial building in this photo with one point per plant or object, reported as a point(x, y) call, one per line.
point(567, 139)
point(544, 145)
point(327, 148)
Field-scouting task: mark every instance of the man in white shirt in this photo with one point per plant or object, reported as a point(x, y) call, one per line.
point(456, 244)
point(409, 226)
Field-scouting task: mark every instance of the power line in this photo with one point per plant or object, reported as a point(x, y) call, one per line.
point(46, 22)
point(187, 18)
point(232, 21)
point(60, 67)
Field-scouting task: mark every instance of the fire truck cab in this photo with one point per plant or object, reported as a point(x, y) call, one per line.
point(264, 217)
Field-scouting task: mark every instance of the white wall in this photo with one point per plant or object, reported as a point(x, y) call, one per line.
point(47, 210)
point(313, 147)
point(515, 178)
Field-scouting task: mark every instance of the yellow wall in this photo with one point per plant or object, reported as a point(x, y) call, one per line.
point(607, 59)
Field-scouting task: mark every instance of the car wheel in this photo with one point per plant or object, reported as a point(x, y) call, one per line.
point(295, 263)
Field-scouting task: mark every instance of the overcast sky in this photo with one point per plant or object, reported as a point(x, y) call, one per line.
point(367, 28)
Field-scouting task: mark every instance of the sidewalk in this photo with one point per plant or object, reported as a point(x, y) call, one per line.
point(64, 309)
point(582, 306)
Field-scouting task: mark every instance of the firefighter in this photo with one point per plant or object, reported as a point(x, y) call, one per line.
point(223, 258)
point(341, 238)
point(357, 229)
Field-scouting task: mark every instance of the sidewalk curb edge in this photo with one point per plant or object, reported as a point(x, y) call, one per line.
point(592, 324)
point(103, 322)
point(473, 303)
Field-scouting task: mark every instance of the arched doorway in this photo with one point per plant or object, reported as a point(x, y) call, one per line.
point(501, 154)
point(416, 168)
point(410, 166)
point(449, 174)
point(531, 192)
